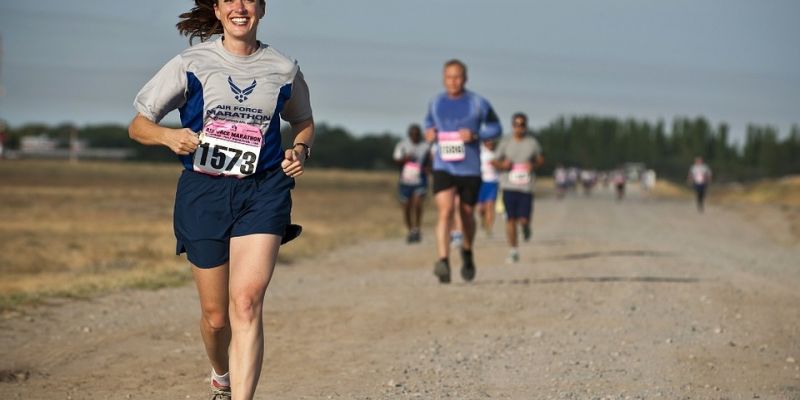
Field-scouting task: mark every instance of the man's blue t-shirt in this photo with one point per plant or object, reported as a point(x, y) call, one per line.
point(469, 111)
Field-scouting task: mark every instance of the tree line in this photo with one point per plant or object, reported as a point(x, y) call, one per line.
point(606, 143)
point(583, 141)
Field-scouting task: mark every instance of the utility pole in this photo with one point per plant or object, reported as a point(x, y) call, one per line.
point(2, 90)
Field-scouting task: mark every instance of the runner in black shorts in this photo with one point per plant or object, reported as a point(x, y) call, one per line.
point(699, 177)
point(233, 202)
point(457, 121)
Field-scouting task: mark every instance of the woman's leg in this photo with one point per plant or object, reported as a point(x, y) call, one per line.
point(212, 287)
point(251, 264)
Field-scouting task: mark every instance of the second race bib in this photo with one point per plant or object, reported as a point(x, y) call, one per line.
point(451, 147)
point(412, 174)
point(519, 174)
point(699, 178)
point(228, 148)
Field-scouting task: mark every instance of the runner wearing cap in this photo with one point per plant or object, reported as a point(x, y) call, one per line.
point(518, 157)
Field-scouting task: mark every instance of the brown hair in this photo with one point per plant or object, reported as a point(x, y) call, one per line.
point(201, 21)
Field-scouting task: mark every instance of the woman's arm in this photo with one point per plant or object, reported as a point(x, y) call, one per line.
point(181, 141)
point(294, 160)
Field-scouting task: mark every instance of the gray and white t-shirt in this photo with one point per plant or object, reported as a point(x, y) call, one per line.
point(417, 154)
point(240, 97)
point(700, 174)
point(521, 154)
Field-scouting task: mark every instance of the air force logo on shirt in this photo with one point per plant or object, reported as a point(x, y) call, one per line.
point(241, 94)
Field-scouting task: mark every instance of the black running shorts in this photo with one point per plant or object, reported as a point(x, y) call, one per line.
point(467, 187)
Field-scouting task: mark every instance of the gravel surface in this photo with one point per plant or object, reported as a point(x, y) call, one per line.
point(643, 299)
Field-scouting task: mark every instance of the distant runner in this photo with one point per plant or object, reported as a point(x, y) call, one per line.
point(699, 177)
point(518, 157)
point(561, 181)
point(588, 179)
point(413, 156)
point(490, 182)
point(457, 121)
point(618, 180)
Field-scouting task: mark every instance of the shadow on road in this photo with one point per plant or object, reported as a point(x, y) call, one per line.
point(612, 253)
point(592, 279)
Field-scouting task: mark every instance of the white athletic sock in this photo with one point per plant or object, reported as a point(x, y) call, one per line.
point(223, 380)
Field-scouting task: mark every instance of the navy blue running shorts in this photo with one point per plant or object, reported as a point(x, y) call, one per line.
point(406, 192)
point(519, 205)
point(210, 210)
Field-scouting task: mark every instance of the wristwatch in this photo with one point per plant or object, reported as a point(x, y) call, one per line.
point(306, 149)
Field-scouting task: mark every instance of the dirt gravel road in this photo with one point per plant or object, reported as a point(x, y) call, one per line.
point(642, 299)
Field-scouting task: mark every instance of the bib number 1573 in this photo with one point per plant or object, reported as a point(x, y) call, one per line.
point(224, 159)
point(228, 148)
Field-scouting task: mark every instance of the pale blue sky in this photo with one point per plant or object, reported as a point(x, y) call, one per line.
point(373, 65)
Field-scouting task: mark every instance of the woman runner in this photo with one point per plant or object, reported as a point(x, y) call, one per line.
point(233, 202)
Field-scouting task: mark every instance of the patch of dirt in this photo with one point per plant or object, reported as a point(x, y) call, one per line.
point(637, 299)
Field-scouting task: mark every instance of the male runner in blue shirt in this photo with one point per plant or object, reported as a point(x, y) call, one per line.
point(457, 121)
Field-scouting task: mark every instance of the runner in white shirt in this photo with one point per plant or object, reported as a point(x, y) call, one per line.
point(413, 157)
point(487, 196)
point(699, 177)
point(561, 181)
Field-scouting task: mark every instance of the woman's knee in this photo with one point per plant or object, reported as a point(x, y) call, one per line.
point(216, 318)
point(247, 306)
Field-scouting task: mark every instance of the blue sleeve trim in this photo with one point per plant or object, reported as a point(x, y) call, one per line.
point(272, 151)
point(192, 112)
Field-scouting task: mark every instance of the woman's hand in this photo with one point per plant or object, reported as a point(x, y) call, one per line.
point(292, 163)
point(181, 141)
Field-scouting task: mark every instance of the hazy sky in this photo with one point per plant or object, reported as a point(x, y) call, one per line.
point(373, 65)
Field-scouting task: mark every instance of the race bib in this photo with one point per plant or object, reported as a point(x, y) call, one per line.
point(519, 174)
point(488, 173)
point(228, 148)
point(699, 178)
point(451, 147)
point(411, 174)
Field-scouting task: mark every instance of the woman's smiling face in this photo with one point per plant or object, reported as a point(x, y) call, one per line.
point(239, 18)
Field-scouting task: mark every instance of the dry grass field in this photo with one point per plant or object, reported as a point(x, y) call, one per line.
point(79, 229)
point(72, 230)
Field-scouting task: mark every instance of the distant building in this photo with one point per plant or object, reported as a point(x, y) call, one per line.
point(42, 146)
point(37, 144)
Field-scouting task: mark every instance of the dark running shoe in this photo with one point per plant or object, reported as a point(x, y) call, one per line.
point(526, 232)
point(414, 236)
point(468, 266)
point(442, 270)
point(291, 233)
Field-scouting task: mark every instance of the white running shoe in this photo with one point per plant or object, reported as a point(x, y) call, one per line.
point(513, 256)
